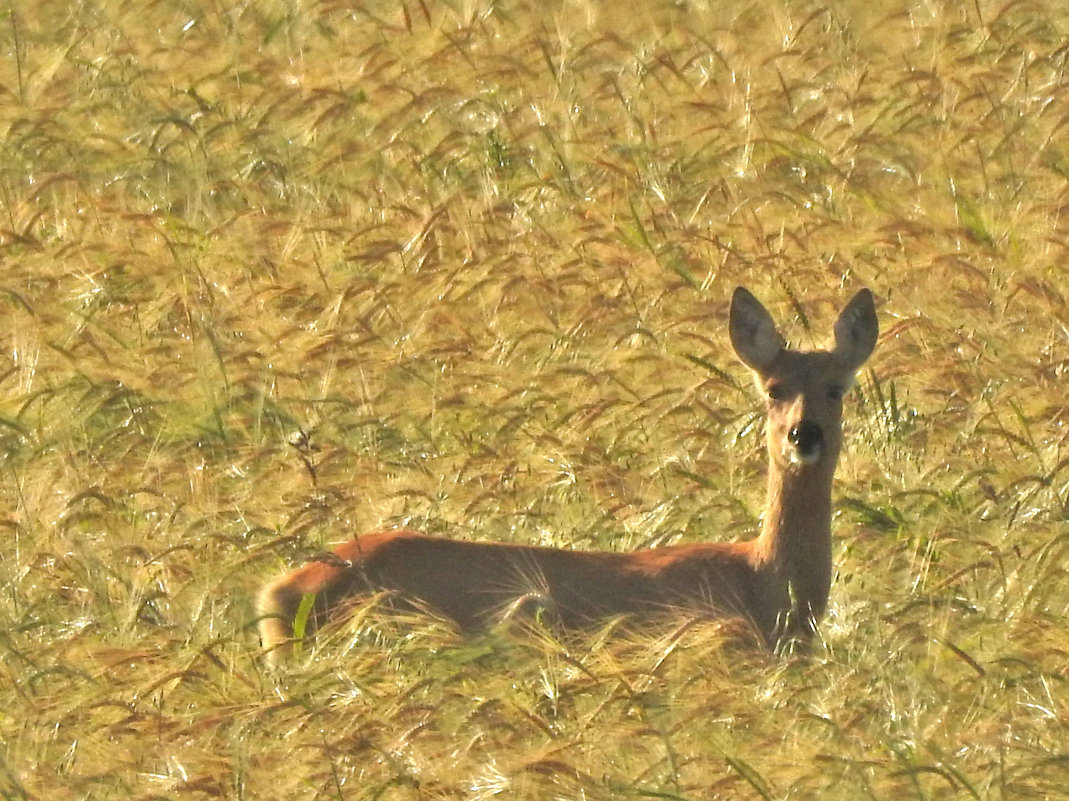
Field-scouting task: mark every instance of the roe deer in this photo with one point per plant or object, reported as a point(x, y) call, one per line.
point(779, 581)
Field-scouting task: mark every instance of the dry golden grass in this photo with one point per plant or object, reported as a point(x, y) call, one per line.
point(275, 273)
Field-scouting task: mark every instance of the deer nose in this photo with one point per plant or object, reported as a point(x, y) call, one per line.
point(807, 439)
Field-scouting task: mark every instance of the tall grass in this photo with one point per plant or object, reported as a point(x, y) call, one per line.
point(277, 273)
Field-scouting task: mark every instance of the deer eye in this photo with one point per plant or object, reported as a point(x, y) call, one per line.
point(836, 392)
point(777, 392)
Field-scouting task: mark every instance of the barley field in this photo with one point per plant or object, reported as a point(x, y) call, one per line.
point(277, 272)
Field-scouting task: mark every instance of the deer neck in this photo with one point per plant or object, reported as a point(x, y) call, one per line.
point(793, 550)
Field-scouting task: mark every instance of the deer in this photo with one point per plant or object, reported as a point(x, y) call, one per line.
point(777, 583)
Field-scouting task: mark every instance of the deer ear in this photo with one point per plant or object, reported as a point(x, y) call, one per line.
point(753, 332)
point(856, 330)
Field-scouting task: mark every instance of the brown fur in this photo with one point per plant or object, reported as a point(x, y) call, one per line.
point(778, 581)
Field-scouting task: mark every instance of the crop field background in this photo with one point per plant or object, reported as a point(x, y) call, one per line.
point(275, 273)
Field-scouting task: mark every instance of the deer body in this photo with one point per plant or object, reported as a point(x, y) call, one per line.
point(779, 581)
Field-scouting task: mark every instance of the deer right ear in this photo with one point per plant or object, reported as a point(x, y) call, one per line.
point(856, 330)
point(753, 332)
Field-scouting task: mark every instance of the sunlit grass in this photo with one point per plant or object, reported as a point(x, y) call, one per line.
point(274, 274)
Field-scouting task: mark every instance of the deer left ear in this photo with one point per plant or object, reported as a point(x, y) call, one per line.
point(753, 332)
point(856, 330)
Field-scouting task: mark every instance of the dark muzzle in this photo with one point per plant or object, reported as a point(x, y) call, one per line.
point(807, 439)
